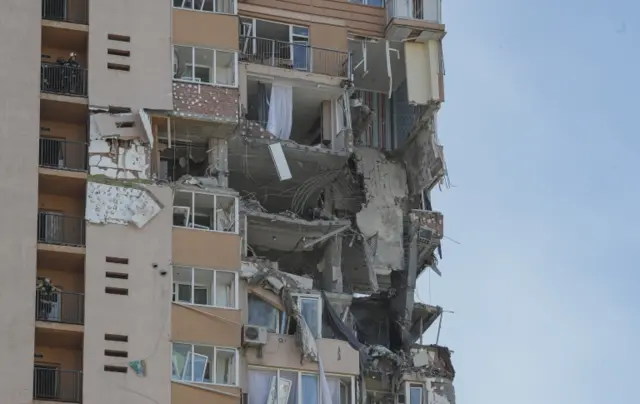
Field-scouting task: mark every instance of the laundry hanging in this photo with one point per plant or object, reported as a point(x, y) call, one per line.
point(280, 111)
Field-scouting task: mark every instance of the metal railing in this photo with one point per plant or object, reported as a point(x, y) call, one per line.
point(56, 228)
point(63, 154)
point(51, 383)
point(295, 56)
point(75, 11)
point(60, 307)
point(60, 79)
point(425, 10)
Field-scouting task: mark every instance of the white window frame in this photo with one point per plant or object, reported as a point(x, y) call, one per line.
point(409, 386)
point(212, 288)
point(213, 66)
point(318, 299)
point(366, 3)
point(299, 374)
point(215, 3)
point(213, 365)
point(191, 214)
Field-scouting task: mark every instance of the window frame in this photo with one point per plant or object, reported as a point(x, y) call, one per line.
point(213, 66)
point(213, 290)
point(213, 366)
point(299, 373)
point(191, 211)
point(281, 318)
point(409, 386)
point(215, 3)
point(319, 302)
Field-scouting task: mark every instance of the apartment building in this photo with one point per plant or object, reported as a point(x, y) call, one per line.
point(220, 201)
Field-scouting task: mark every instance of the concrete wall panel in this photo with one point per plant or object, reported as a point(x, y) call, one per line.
point(147, 23)
point(206, 249)
point(143, 315)
point(20, 27)
point(209, 30)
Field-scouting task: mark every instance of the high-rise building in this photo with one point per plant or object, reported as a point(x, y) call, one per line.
point(220, 201)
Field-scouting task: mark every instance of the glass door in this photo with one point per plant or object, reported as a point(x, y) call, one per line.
point(300, 50)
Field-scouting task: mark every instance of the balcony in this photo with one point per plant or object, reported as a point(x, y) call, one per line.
point(423, 10)
point(63, 80)
point(72, 11)
point(62, 154)
point(299, 56)
point(58, 229)
point(60, 307)
point(54, 384)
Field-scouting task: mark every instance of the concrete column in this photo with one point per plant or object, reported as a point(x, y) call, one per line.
point(332, 270)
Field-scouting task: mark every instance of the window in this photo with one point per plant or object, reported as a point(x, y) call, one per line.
point(204, 364)
point(205, 211)
point(203, 65)
point(415, 394)
point(263, 314)
point(295, 387)
point(205, 287)
point(212, 6)
point(374, 3)
point(311, 310)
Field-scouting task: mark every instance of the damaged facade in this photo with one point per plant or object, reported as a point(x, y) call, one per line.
point(257, 222)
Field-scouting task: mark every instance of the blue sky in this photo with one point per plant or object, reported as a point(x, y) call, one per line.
point(539, 128)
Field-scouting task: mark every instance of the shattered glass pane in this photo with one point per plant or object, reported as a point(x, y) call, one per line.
point(263, 314)
point(261, 386)
point(225, 366)
point(309, 309)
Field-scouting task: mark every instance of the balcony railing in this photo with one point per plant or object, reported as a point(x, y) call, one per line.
point(63, 154)
point(425, 10)
point(294, 56)
point(54, 384)
point(60, 307)
point(56, 228)
point(60, 79)
point(75, 11)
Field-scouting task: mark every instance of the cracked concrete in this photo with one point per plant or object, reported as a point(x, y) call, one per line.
point(385, 186)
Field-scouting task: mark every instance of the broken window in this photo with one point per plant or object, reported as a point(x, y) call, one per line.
point(212, 6)
point(263, 314)
point(296, 387)
point(205, 211)
point(204, 364)
point(203, 65)
point(311, 309)
point(206, 287)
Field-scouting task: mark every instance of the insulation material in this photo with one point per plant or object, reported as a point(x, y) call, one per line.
point(109, 158)
point(385, 186)
point(112, 204)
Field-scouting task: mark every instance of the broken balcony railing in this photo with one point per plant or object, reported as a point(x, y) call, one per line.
point(56, 228)
point(60, 79)
point(294, 56)
point(425, 10)
point(63, 154)
point(60, 307)
point(74, 11)
point(54, 384)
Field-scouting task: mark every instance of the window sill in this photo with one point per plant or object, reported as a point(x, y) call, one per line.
point(178, 302)
point(205, 383)
point(206, 11)
point(202, 83)
point(207, 230)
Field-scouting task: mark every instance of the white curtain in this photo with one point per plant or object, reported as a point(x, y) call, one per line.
point(280, 111)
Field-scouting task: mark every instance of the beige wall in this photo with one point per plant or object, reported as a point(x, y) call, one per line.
point(360, 19)
point(148, 83)
point(206, 325)
point(205, 249)
point(281, 352)
point(63, 130)
point(143, 315)
point(20, 21)
point(182, 393)
point(217, 31)
point(57, 203)
point(63, 278)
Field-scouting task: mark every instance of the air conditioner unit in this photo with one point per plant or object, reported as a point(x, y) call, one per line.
point(254, 335)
